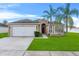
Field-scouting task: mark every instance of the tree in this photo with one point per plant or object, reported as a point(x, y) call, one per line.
point(5, 22)
point(65, 14)
point(49, 14)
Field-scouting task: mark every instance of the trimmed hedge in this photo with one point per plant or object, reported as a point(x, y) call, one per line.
point(37, 34)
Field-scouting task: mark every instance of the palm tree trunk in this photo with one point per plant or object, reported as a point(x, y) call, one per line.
point(50, 26)
point(49, 30)
point(66, 25)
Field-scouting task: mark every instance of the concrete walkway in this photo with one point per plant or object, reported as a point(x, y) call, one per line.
point(36, 53)
point(51, 53)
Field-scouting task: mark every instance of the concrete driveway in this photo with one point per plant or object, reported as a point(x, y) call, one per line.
point(15, 43)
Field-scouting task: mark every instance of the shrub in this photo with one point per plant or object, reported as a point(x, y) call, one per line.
point(37, 34)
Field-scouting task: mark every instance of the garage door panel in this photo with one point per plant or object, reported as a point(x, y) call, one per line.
point(29, 31)
point(24, 31)
point(18, 31)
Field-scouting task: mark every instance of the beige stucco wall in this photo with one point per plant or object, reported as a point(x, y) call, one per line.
point(38, 28)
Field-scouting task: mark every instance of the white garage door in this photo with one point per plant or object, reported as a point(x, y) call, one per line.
point(24, 31)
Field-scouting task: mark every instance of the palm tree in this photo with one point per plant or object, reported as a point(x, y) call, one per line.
point(65, 14)
point(49, 14)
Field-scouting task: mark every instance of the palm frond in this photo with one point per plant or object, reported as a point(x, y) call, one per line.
point(74, 12)
point(68, 7)
point(70, 22)
point(47, 12)
point(59, 18)
point(60, 9)
point(50, 8)
point(46, 16)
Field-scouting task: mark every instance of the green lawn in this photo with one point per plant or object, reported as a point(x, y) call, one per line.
point(2, 35)
point(68, 42)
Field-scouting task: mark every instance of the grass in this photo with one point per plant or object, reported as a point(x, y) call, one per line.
point(68, 42)
point(2, 35)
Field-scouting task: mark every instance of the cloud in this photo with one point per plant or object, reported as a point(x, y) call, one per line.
point(9, 15)
point(7, 5)
point(12, 16)
point(76, 21)
point(32, 16)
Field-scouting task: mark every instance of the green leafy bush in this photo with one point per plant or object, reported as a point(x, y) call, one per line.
point(37, 34)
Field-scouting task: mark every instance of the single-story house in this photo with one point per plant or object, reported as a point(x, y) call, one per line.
point(27, 27)
point(3, 28)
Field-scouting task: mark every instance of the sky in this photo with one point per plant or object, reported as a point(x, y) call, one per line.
point(17, 11)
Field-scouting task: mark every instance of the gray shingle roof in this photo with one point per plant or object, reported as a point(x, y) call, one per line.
point(33, 21)
point(26, 21)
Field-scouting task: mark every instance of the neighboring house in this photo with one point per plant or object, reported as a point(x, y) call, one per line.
point(3, 28)
point(73, 29)
point(27, 27)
